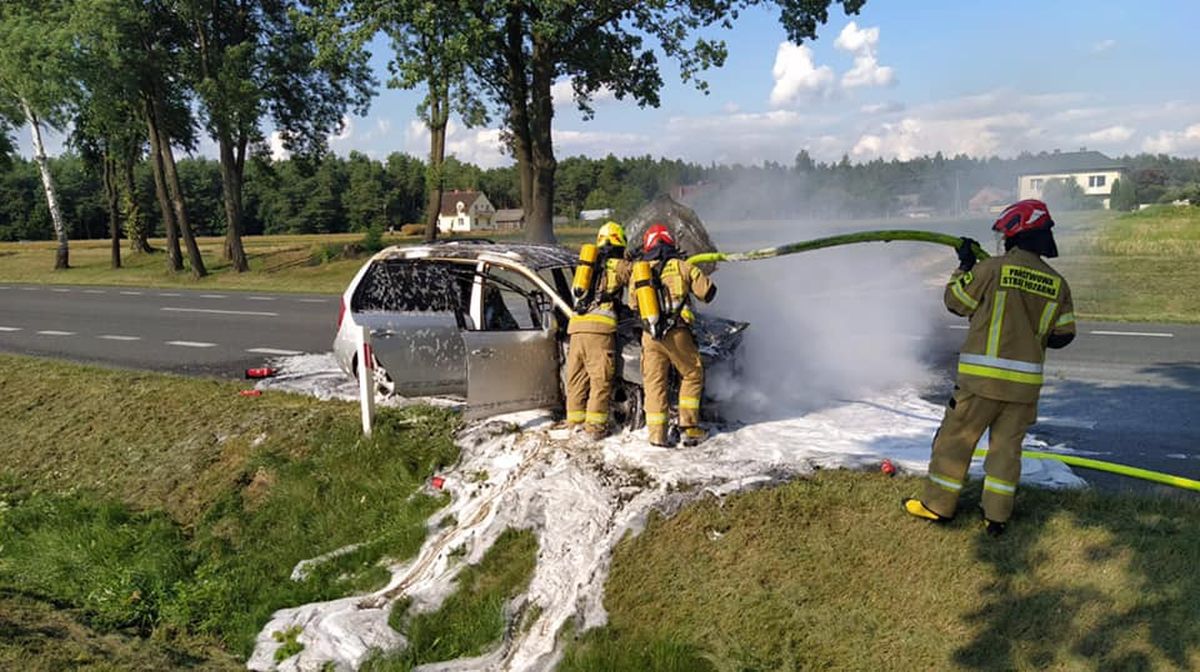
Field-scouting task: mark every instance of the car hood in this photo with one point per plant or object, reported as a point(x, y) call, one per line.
point(717, 338)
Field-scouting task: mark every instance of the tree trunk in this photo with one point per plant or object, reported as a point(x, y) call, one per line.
point(518, 106)
point(439, 117)
point(175, 191)
point(539, 218)
point(112, 200)
point(174, 257)
point(62, 254)
point(135, 225)
point(231, 183)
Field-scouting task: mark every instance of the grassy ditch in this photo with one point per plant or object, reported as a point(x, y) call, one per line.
point(166, 514)
point(828, 573)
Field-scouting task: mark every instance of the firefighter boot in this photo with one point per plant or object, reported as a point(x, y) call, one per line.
point(915, 507)
point(595, 432)
point(693, 436)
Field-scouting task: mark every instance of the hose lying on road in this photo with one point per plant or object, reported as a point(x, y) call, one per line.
point(833, 241)
point(951, 241)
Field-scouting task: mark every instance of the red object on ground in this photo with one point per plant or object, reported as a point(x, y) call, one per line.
point(437, 482)
point(264, 372)
point(250, 393)
point(888, 468)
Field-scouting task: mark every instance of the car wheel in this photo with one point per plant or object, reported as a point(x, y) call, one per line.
point(627, 405)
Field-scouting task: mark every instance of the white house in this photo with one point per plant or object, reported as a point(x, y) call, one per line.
point(1092, 171)
point(595, 215)
point(465, 211)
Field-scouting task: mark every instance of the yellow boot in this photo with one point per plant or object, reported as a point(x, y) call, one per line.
point(915, 507)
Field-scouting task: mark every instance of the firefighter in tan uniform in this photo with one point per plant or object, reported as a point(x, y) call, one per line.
point(1018, 306)
point(667, 339)
point(598, 285)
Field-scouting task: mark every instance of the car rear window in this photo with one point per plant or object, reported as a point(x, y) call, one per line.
point(408, 285)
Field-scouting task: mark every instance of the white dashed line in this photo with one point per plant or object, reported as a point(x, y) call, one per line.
point(94, 291)
point(5, 287)
point(313, 300)
point(132, 293)
point(60, 291)
point(30, 289)
point(213, 296)
point(1156, 334)
point(10, 328)
point(169, 294)
point(192, 344)
point(273, 351)
point(260, 298)
point(52, 332)
point(118, 337)
point(214, 311)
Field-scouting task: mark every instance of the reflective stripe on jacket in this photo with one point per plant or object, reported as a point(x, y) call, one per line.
point(602, 317)
point(1014, 302)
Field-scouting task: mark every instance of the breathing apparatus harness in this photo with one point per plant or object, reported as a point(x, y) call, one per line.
point(590, 275)
point(658, 317)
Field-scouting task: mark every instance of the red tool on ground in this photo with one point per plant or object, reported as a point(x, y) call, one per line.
point(263, 372)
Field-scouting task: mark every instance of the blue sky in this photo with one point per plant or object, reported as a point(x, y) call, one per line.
point(901, 79)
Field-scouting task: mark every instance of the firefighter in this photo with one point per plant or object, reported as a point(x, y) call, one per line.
point(593, 330)
point(667, 339)
point(1018, 306)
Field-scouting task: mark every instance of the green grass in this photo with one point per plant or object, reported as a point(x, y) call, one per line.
point(473, 619)
point(296, 263)
point(828, 573)
point(156, 505)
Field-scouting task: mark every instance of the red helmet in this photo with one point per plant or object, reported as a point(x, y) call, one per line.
point(656, 235)
point(1028, 215)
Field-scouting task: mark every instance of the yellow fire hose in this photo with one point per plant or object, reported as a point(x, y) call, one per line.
point(951, 241)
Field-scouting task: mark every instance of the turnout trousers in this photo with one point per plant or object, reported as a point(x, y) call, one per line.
point(967, 416)
point(589, 379)
point(677, 348)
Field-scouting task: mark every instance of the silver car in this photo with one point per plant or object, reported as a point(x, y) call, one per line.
point(486, 322)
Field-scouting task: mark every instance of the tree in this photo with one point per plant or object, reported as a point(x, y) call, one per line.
point(35, 79)
point(253, 61)
point(1124, 196)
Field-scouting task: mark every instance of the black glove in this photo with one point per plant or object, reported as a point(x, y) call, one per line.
point(966, 254)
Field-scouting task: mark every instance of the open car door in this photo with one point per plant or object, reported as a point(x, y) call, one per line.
point(512, 358)
point(414, 310)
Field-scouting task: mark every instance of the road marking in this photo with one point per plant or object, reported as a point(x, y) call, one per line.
point(30, 289)
point(273, 351)
point(313, 300)
point(94, 291)
point(52, 332)
point(169, 294)
point(1157, 334)
point(192, 344)
point(213, 296)
point(10, 328)
point(132, 293)
point(60, 291)
point(260, 298)
point(118, 337)
point(5, 287)
point(214, 311)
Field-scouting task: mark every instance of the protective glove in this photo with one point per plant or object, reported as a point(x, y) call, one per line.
point(966, 254)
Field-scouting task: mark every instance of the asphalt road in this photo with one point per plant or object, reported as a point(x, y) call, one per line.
point(1128, 393)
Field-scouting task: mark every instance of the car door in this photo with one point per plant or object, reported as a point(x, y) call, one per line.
point(414, 311)
point(512, 358)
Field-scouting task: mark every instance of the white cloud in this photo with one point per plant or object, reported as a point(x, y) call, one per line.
point(1103, 46)
point(915, 136)
point(882, 108)
point(797, 76)
point(275, 143)
point(1108, 136)
point(1169, 142)
point(480, 146)
point(345, 130)
point(564, 95)
point(863, 43)
point(731, 107)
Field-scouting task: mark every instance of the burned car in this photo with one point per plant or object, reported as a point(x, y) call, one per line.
point(487, 323)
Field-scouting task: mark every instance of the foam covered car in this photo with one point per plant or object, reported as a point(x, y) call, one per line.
point(486, 323)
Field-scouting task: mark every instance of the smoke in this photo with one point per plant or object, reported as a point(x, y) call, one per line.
point(827, 325)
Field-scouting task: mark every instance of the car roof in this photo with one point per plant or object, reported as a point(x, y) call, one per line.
point(535, 256)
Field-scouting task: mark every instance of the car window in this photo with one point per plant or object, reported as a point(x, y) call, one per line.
point(410, 285)
point(509, 301)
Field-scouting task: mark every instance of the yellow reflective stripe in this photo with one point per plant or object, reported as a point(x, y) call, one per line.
point(993, 346)
point(689, 402)
point(945, 482)
point(687, 315)
point(999, 487)
point(575, 416)
point(1065, 319)
point(1047, 315)
point(656, 418)
point(597, 418)
point(599, 318)
point(1000, 374)
point(961, 295)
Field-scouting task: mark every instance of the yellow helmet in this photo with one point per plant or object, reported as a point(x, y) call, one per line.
point(612, 234)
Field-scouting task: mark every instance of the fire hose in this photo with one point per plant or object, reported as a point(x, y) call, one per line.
point(951, 241)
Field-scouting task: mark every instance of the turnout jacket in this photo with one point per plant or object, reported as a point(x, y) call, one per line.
point(1015, 302)
point(680, 281)
point(601, 318)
